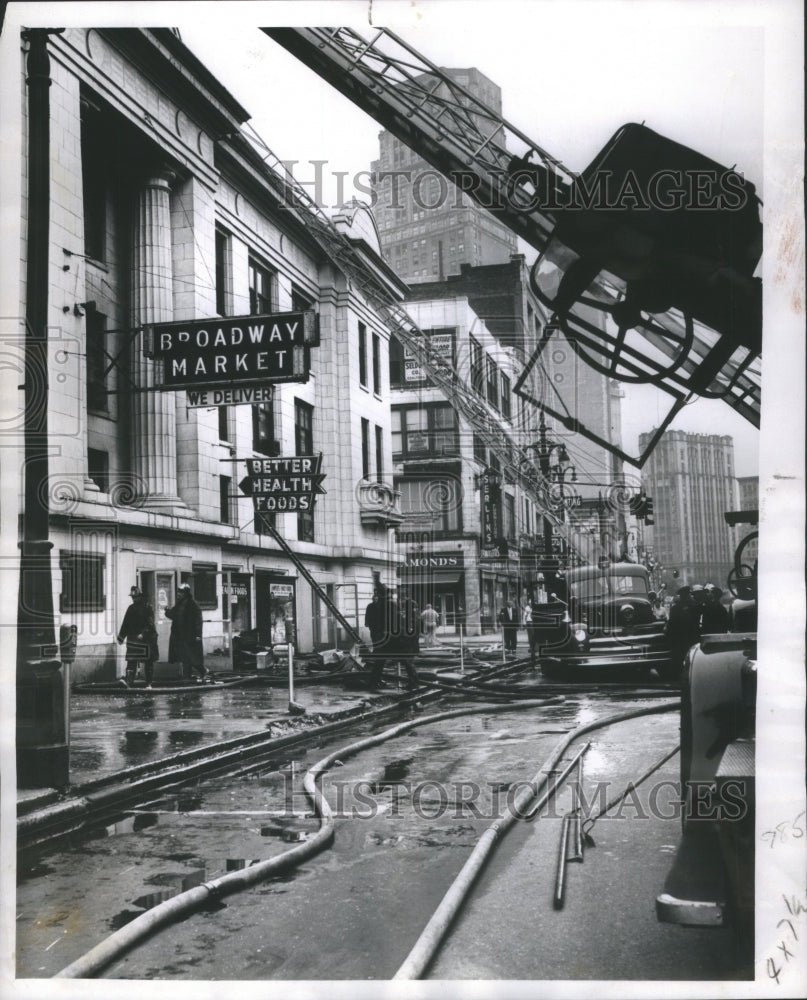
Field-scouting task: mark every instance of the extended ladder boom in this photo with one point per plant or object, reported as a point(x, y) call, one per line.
point(468, 142)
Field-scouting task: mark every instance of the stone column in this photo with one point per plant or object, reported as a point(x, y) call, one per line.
point(153, 433)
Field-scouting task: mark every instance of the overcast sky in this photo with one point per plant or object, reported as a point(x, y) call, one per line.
point(571, 74)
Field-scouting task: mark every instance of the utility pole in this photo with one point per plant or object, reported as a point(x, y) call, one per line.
point(42, 686)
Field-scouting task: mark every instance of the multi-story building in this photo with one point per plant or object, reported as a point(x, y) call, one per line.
point(467, 524)
point(162, 211)
point(748, 490)
point(501, 296)
point(428, 227)
point(691, 480)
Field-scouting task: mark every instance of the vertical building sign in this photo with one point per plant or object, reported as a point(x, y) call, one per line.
point(491, 509)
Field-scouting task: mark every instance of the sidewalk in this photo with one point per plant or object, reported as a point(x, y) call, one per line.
point(113, 730)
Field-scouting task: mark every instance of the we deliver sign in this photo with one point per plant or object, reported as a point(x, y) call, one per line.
point(200, 354)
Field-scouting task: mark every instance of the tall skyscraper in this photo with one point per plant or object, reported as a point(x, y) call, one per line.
point(427, 226)
point(691, 480)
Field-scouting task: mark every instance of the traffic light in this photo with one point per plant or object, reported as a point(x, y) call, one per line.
point(648, 511)
point(638, 506)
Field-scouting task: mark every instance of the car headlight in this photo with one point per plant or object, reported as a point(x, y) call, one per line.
point(580, 634)
point(627, 614)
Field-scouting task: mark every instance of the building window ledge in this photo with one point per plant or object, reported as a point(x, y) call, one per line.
point(379, 504)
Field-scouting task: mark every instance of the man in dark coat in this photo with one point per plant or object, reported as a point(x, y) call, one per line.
point(185, 642)
point(377, 621)
point(714, 614)
point(394, 631)
point(683, 626)
point(140, 634)
point(409, 642)
point(509, 621)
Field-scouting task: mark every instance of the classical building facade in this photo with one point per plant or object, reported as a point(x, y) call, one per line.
point(162, 211)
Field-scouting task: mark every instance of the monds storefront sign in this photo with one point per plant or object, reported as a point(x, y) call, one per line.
point(201, 354)
point(421, 561)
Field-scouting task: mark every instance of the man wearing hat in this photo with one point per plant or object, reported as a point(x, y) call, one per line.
point(715, 615)
point(140, 634)
point(185, 641)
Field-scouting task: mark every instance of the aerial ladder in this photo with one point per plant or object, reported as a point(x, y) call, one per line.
point(518, 462)
point(633, 318)
point(660, 295)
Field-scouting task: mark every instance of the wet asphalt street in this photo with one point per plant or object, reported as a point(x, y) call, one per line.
point(403, 831)
point(110, 733)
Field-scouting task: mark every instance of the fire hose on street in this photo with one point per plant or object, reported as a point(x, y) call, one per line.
point(192, 900)
point(186, 903)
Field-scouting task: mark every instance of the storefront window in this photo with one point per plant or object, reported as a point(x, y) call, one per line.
point(204, 585)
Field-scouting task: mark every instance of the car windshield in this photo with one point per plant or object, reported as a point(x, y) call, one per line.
point(591, 589)
point(603, 586)
point(628, 585)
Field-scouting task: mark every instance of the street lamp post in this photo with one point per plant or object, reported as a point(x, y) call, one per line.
point(551, 472)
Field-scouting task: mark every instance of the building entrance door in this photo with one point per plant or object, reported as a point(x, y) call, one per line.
point(160, 590)
point(447, 609)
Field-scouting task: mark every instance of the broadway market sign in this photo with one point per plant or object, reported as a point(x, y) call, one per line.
point(207, 353)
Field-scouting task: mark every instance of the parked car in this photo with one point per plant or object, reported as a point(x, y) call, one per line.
point(712, 878)
point(611, 621)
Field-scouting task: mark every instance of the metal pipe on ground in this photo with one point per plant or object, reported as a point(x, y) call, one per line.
point(433, 933)
point(560, 873)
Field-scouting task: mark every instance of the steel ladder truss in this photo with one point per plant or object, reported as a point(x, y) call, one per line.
point(517, 461)
point(467, 141)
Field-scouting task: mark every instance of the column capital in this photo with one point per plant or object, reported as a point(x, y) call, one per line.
point(161, 177)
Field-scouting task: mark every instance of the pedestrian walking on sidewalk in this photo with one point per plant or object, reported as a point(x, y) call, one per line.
point(185, 642)
point(530, 623)
point(139, 633)
point(509, 621)
point(430, 620)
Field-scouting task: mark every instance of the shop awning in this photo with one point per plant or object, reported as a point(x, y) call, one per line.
point(413, 577)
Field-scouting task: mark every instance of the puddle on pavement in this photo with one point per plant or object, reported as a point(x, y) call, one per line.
point(171, 884)
point(36, 870)
point(394, 772)
point(181, 739)
point(174, 883)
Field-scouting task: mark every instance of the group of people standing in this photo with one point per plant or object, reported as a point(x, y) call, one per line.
point(395, 628)
point(695, 611)
point(542, 620)
point(139, 631)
